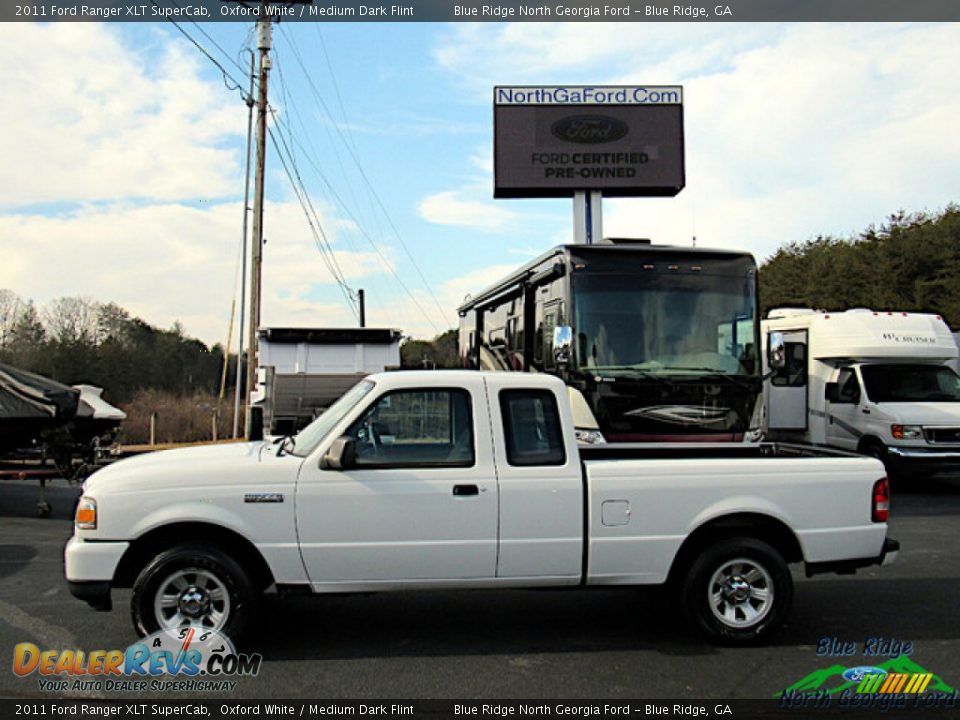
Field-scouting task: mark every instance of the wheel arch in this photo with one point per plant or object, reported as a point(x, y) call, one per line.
point(870, 441)
point(155, 541)
point(758, 526)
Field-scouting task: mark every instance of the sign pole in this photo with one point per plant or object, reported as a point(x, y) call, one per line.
point(587, 217)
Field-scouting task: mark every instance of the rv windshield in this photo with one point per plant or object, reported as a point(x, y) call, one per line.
point(311, 436)
point(665, 324)
point(911, 383)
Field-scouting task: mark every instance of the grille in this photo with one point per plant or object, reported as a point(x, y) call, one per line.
point(942, 435)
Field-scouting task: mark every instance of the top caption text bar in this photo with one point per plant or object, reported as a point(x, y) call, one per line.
point(492, 11)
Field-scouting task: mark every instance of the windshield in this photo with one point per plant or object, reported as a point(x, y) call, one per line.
point(315, 432)
point(911, 383)
point(665, 324)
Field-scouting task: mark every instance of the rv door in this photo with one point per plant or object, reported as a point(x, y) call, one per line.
point(786, 398)
point(844, 416)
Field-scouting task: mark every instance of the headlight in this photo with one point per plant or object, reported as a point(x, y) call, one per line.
point(906, 432)
point(86, 518)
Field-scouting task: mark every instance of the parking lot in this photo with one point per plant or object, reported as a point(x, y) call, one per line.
point(516, 644)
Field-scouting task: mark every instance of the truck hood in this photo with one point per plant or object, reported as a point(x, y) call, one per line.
point(182, 460)
point(922, 413)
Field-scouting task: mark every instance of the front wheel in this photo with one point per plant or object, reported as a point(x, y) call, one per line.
point(738, 591)
point(193, 586)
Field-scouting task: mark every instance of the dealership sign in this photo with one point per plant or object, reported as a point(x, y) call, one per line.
point(555, 141)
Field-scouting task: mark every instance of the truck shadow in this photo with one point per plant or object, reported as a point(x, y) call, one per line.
point(505, 622)
point(18, 498)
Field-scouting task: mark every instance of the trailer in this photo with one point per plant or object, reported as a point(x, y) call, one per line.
point(302, 371)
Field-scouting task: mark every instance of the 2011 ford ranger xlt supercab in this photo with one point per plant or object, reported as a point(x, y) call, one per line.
point(466, 479)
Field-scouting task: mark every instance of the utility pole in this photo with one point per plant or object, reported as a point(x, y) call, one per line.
point(237, 390)
point(361, 299)
point(256, 247)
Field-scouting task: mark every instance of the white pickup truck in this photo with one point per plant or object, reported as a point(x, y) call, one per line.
point(464, 479)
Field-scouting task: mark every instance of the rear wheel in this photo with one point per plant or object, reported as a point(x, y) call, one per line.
point(193, 586)
point(738, 591)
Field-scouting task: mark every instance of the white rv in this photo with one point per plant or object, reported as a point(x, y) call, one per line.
point(877, 383)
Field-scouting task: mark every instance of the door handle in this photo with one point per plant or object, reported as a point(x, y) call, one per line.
point(464, 490)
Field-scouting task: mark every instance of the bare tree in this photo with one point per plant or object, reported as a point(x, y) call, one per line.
point(72, 319)
point(11, 308)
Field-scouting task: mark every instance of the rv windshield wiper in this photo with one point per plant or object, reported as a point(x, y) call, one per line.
point(715, 374)
point(636, 373)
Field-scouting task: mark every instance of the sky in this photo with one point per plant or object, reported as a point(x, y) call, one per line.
point(124, 152)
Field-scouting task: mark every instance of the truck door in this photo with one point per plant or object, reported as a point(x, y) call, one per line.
point(541, 487)
point(420, 504)
point(844, 419)
point(786, 398)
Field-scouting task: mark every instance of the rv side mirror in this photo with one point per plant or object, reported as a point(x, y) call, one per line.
point(777, 352)
point(831, 392)
point(562, 344)
point(341, 455)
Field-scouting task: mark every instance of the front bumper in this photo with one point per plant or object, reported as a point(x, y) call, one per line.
point(923, 461)
point(90, 566)
point(848, 567)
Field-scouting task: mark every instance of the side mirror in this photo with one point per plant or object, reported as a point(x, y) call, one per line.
point(341, 455)
point(777, 351)
point(831, 392)
point(562, 344)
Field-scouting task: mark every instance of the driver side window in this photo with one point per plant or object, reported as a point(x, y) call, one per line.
point(848, 387)
point(415, 428)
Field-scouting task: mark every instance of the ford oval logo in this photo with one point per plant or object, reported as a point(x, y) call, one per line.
point(856, 674)
point(589, 129)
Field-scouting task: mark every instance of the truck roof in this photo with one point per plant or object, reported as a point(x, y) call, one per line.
point(866, 334)
point(447, 378)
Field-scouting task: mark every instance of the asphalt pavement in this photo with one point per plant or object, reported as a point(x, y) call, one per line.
point(549, 644)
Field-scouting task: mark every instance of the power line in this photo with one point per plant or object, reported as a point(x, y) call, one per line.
point(223, 71)
point(199, 27)
point(231, 83)
point(313, 158)
point(386, 262)
point(333, 145)
point(366, 180)
point(325, 245)
point(316, 228)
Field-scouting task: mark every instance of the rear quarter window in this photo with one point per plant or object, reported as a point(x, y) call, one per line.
point(531, 427)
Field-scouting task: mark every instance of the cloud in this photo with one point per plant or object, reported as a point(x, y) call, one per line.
point(459, 208)
point(489, 54)
point(120, 175)
point(791, 130)
point(399, 311)
point(168, 262)
point(89, 119)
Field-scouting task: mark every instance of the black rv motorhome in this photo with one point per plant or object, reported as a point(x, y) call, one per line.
point(662, 341)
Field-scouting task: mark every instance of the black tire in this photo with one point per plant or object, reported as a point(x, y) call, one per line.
point(761, 567)
point(212, 566)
